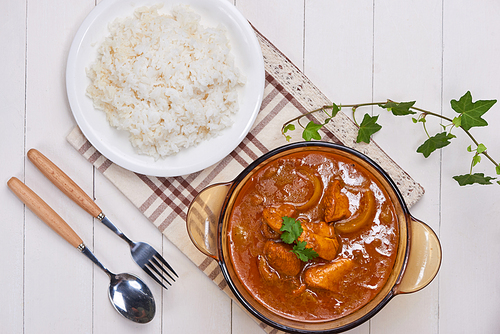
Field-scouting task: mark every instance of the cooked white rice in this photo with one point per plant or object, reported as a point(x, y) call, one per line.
point(166, 79)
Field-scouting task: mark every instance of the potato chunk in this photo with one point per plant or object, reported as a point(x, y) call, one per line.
point(328, 276)
point(273, 215)
point(281, 259)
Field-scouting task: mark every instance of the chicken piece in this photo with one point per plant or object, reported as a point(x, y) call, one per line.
point(328, 276)
point(321, 238)
point(273, 216)
point(321, 228)
point(271, 276)
point(266, 272)
point(281, 259)
point(268, 232)
point(336, 203)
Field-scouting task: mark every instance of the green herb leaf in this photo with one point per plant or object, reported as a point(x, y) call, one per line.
point(367, 128)
point(457, 121)
point(497, 169)
point(291, 229)
point(475, 160)
point(440, 140)
point(471, 112)
point(468, 179)
point(290, 127)
point(311, 131)
point(335, 109)
point(399, 109)
point(303, 253)
point(481, 148)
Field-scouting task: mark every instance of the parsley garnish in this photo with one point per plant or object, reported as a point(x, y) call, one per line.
point(292, 229)
point(303, 253)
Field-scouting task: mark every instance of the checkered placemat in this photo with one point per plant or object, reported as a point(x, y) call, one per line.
point(288, 93)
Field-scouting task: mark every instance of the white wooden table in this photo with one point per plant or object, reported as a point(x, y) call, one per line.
point(354, 51)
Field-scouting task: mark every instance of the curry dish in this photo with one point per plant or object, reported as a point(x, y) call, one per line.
point(346, 218)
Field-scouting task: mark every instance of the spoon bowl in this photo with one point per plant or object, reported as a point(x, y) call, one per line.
point(131, 298)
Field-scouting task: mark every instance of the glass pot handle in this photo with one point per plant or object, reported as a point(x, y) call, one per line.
point(424, 258)
point(202, 219)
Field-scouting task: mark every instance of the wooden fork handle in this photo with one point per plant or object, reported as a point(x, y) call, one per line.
point(63, 182)
point(44, 211)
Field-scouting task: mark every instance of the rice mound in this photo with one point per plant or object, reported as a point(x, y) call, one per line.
point(166, 79)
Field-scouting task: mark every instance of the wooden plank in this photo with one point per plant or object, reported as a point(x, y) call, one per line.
point(58, 280)
point(338, 49)
point(407, 67)
point(469, 291)
point(281, 21)
point(12, 89)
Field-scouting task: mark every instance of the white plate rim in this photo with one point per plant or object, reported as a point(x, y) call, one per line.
point(110, 142)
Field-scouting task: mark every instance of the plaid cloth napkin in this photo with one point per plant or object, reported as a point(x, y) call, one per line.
point(288, 93)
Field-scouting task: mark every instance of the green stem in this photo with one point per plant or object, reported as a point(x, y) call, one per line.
point(426, 112)
point(472, 164)
point(425, 128)
point(354, 116)
point(356, 106)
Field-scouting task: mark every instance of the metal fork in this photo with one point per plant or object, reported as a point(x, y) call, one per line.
point(143, 254)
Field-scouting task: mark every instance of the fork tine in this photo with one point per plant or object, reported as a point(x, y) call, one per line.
point(166, 264)
point(151, 266)
point(153, 260)
point(154, 277)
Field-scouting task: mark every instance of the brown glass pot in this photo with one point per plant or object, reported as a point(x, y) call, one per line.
point(417, 261)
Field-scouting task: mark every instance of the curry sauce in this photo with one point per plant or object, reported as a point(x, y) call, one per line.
point(346, 218)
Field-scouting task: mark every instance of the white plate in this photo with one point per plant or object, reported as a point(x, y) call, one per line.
point(114, 144)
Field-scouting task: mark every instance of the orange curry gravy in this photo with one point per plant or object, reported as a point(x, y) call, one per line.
point(346, 217)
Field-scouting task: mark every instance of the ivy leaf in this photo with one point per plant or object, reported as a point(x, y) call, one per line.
point(481, 148)
point(291, 229)
point(399, 109)
point(478, 178)
point(367, 128)
point(475, 160)
point(311, 131)
point(335, 109)
point(290, 127)
point(457, 121)
point(440, 140)
point(471, 112)
point(303, 253)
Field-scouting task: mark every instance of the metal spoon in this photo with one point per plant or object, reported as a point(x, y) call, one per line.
point(129, 295)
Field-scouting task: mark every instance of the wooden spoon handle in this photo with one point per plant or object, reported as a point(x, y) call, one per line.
point(63, 182)
point(44, 211)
